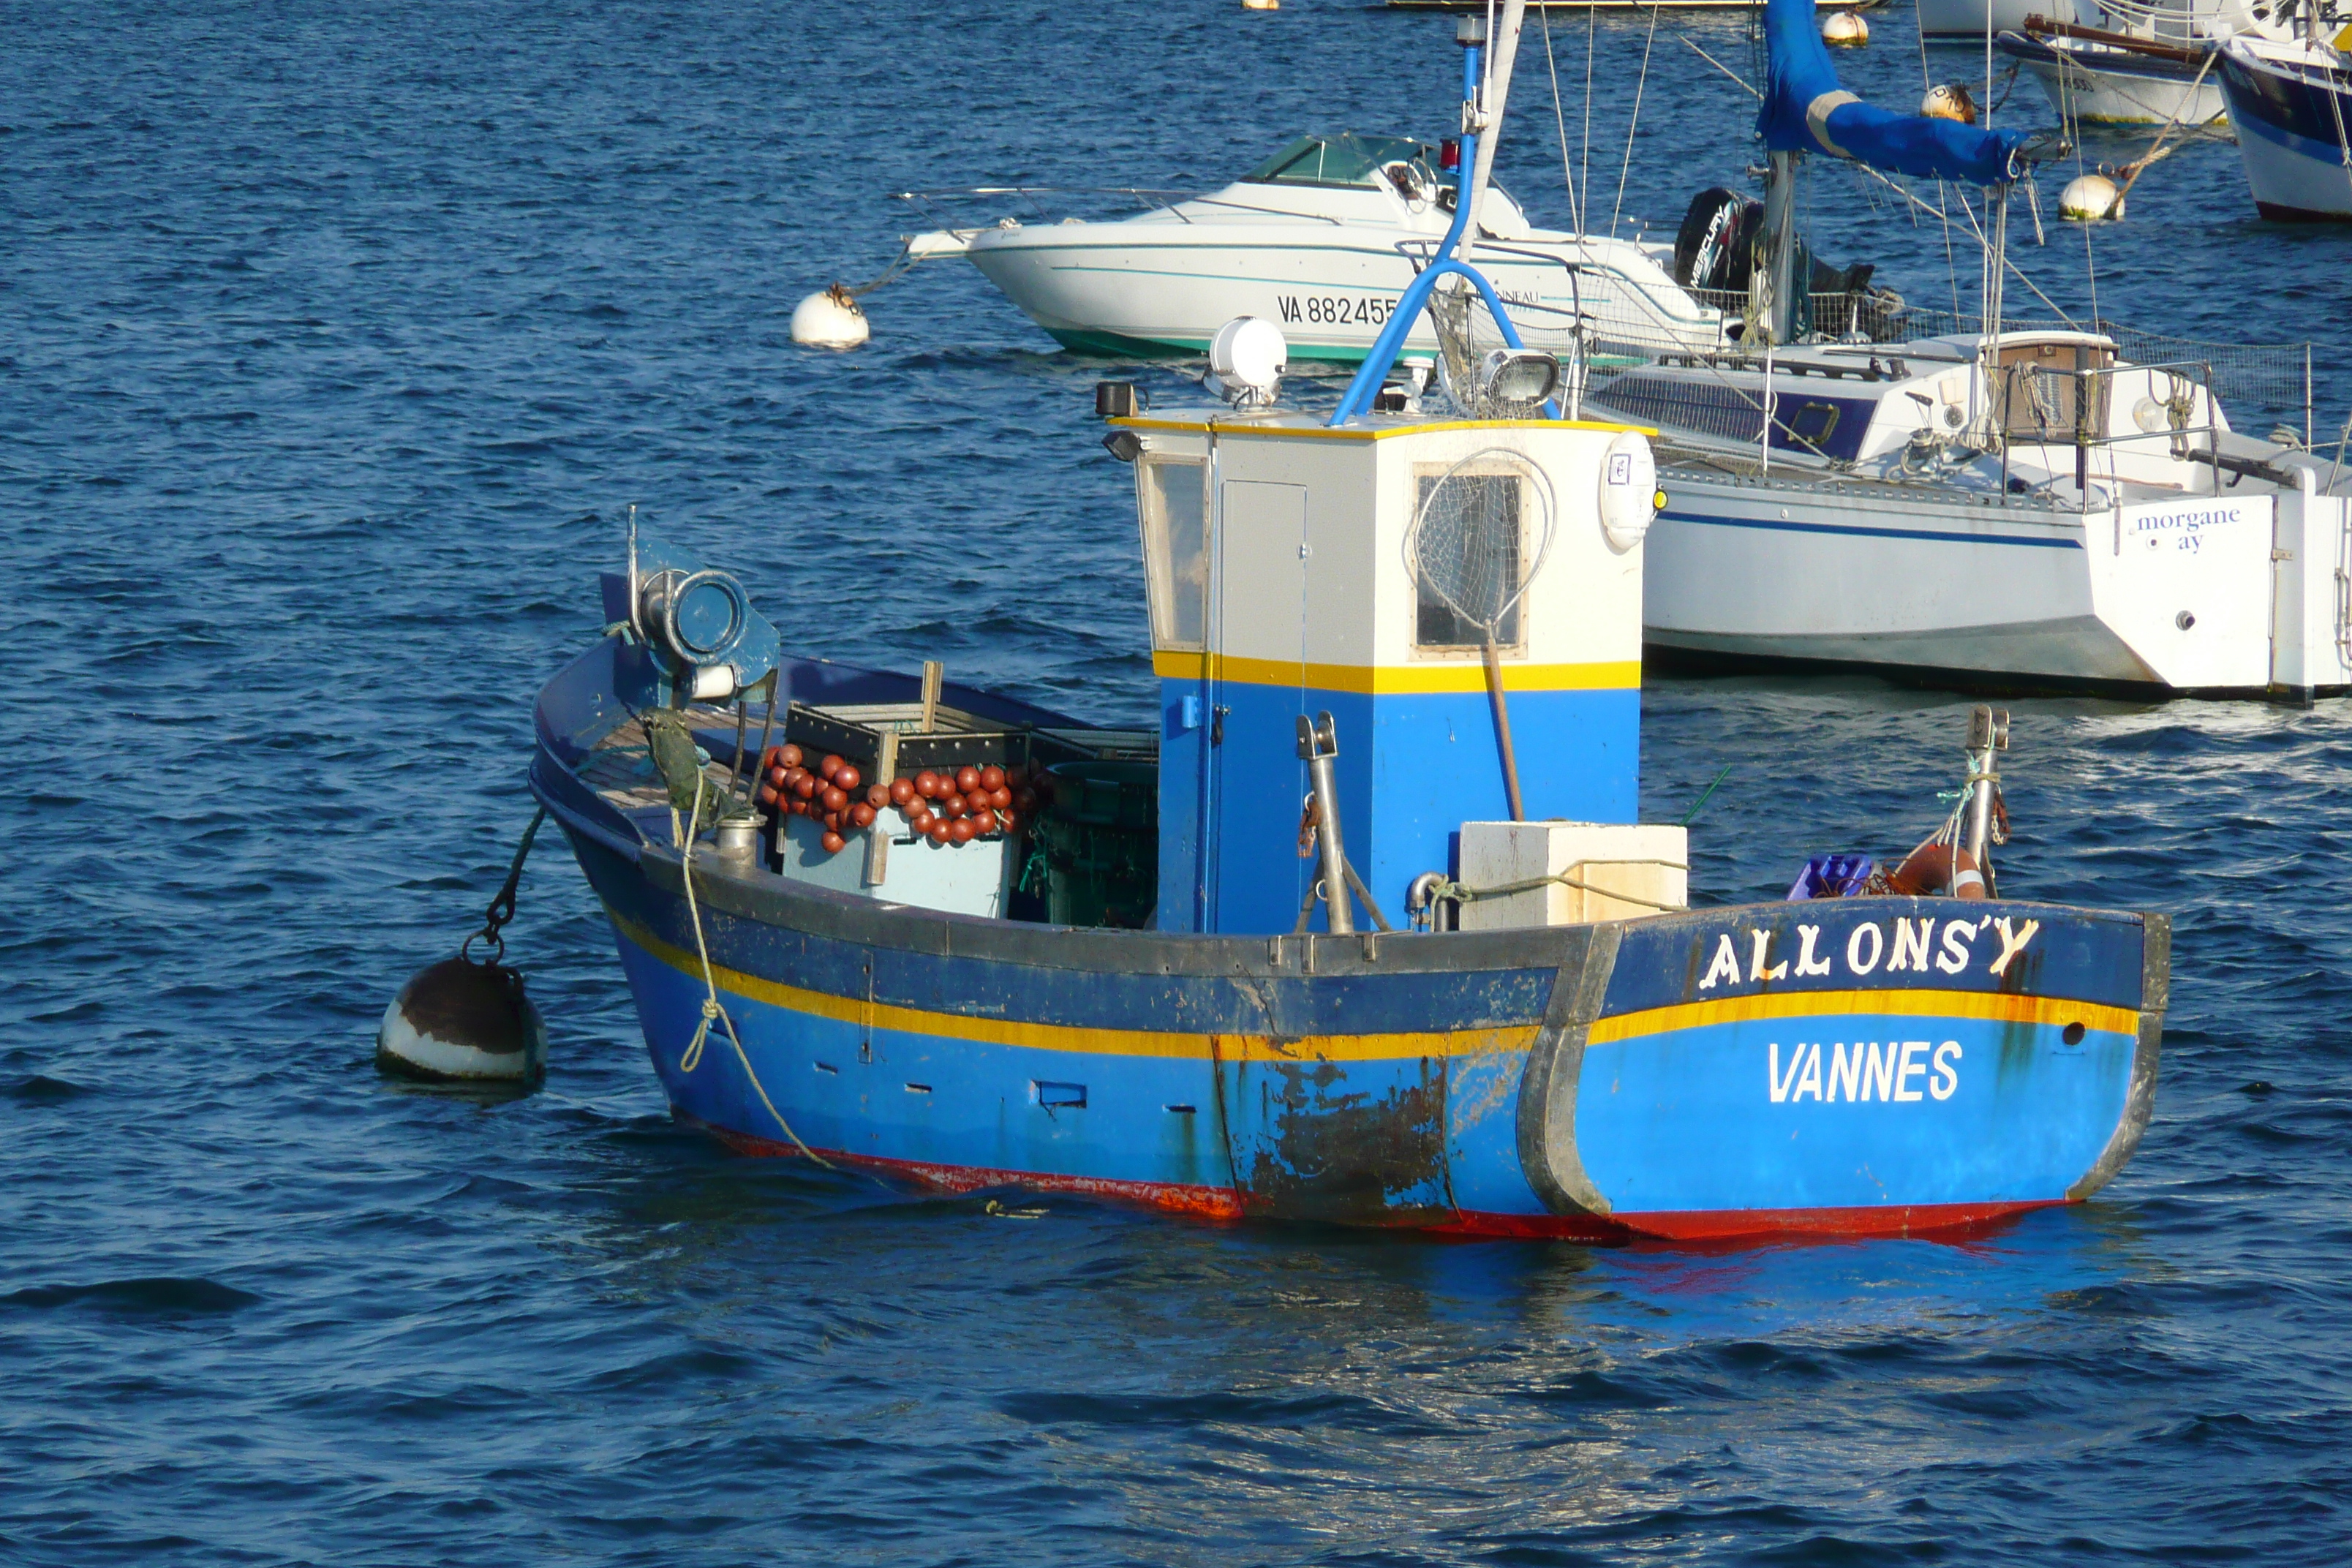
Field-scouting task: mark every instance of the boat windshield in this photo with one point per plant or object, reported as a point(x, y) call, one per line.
point(1346, 160)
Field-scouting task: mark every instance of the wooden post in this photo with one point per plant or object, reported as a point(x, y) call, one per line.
point(878, 841)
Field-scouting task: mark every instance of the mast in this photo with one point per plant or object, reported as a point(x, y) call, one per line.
point(1486, 110)
point(1780, 311)
point(1997, 390)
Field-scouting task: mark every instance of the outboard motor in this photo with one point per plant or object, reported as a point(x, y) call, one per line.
point(1715, 248)
point(1715, 256)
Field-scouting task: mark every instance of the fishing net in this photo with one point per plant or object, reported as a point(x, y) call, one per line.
point(1466, 334)
point(1479, 535)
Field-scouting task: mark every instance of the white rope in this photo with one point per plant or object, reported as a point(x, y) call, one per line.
point(712, 1011)
point(1951, 260)
point(2069, 120)
point(1584, 178)
point(1718, 65)
point(1634, 124)
point(1559, 118)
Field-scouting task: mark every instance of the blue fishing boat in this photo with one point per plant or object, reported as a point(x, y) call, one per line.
point(907, 927)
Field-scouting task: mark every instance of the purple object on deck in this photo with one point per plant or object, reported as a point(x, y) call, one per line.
point(1833, 876)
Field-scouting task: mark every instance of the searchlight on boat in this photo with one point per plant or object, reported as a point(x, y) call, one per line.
point(1517, 376)
point(1246, 359)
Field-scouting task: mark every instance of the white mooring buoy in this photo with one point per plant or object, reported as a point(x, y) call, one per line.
point(463, 1022)
point(1844, 30)
point(1949, 100)
point(2091, 198)
point(830, 320)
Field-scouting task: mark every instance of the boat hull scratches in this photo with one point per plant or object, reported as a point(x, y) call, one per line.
point(1430, 1085)
point(1735, 1228)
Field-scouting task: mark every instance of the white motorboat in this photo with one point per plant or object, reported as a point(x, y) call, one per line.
point(2071, 520)
point(2291, 100)
point(1323, 240)
point(1952, 21)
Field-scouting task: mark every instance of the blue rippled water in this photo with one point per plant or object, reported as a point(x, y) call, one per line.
point(334, 337)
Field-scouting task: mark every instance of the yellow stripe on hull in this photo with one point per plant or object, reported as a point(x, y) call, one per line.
point(1079, 1039)
point(1883, 1003)
point(1399, 680)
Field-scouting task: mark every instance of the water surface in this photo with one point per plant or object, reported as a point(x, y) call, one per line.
point(332, 342)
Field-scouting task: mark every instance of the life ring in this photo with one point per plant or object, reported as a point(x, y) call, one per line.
point(1935, 867)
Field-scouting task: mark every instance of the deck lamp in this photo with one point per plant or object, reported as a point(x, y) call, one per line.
point(1523, 376)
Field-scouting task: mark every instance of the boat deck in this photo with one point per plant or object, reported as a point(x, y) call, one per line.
point(979, 876)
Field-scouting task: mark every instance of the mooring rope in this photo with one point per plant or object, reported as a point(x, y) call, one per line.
point(712, 1010)
point(1462, 893)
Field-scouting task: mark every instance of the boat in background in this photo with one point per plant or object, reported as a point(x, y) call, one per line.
point(1608, 6)
point(1975, 502)
point(1321, 239)
point(2141, 64)
point(2068, 519)
point(1958, 21)
point(2291, 100)
point(2130, 70)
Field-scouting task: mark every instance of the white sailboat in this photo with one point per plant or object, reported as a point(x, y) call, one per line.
point(2030, 509)
point(2132, 65)
point(2001, 508)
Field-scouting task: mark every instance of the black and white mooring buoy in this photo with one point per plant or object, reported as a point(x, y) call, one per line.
point(1949, 100)
point(463, 1022)
point(467, 1020)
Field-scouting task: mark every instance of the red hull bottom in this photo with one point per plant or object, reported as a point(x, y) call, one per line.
point(1698, 1228)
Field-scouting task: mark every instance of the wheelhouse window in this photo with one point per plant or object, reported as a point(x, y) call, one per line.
point(1174, 507)
point(1468, 549)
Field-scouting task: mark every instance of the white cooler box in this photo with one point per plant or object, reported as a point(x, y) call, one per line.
point(1648, 865)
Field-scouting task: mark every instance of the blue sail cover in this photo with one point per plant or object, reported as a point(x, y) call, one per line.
point(1805, 110)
